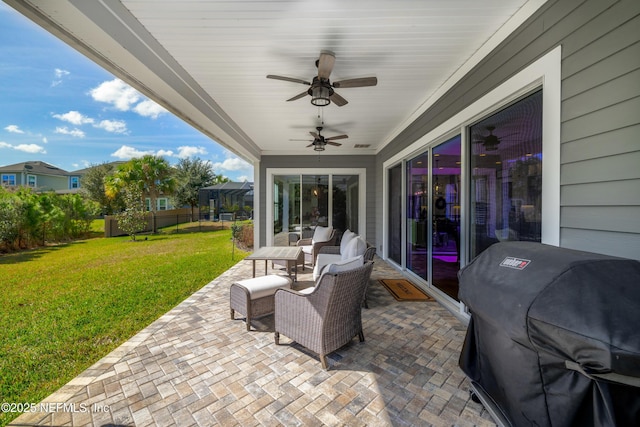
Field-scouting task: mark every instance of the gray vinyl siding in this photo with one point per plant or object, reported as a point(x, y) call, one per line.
point(316, 162)
point(600, 115)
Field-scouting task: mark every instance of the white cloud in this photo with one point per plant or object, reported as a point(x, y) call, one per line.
point(59, 75)
point(125, 98)
point(167, 153)
point(72, 132)
point(45, 140)
point(187, 151)
point(74, 117)
point(30, 148)
point(13, 129)
point(27, 148)
point(243, 178)
point(149, 108)
point(125, 153)
point(117, 93)
point(115, 126)
point(232, 164)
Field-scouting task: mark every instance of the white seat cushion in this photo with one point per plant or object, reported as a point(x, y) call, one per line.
point(307, 249)
point(357, 246)
point(264, 286)
point(343, 265)
point(322, 260)
point(347, 236)
point(321, 234)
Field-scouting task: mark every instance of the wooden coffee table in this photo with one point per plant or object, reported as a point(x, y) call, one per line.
point(290, 254)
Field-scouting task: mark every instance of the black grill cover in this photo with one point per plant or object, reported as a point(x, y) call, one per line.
point(554, 336)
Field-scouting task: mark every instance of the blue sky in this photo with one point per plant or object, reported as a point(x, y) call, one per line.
point(59, 107)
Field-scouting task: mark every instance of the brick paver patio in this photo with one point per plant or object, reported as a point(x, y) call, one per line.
point(196, 367)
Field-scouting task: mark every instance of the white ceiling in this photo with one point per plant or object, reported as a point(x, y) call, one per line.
point(207, 60)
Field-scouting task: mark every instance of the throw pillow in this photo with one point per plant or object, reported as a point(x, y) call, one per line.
point(347, 236)
point(357, 246)
point(321, 234)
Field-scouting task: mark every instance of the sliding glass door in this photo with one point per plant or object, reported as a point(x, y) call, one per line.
point(417, 214)
point(303, 202)
point(446, 173)
point(506, 175)
point(498, 181)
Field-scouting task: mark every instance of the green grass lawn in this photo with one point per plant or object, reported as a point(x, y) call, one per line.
point(65, 307)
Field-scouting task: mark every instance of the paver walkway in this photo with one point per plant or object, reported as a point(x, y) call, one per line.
point(196, 367)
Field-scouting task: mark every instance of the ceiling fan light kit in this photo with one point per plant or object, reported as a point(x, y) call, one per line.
point(320, 94)
point(321, 89)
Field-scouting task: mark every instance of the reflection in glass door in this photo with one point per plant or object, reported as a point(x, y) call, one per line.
point(417, 214)
point(394, 242)
point(445, 217)
point(506, 179)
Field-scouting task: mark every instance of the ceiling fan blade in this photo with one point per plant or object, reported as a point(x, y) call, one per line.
point(337, 144)
point(325, 64)
point(310, 145)
point(298, 96)
point(360, 82)
point(338, 100)
point(313, 134)
point(289, 79)
point(336, 137)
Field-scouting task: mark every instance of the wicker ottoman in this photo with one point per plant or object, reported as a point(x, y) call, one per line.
point(254, 297)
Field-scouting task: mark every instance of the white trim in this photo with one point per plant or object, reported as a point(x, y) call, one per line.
point(544, 73)
point(256, 203)
point(524, 13)
point(362, 202)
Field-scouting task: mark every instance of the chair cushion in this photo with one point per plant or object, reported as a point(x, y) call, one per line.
point(322, 261)
point(263, 286)
point(343, 265)
point(321, 234)
point(357, 246)
point(347, 236)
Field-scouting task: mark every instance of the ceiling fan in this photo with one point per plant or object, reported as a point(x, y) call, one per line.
point(491, 141)
point(319, 141)
point(321, 89)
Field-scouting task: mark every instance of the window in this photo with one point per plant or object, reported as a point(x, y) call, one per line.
point(31, 181)
point(162, 204)
point(506, 175)
point(74, 182)
point(8, 179)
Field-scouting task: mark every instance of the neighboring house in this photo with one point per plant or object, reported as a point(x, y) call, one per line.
point(218, 197)
point(40, 176)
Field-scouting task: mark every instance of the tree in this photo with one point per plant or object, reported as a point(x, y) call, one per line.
point(152, 175)
point(134, 218)
point(191, 176)
point(92, 184)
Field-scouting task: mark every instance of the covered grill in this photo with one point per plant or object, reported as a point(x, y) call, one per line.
point(554, 336)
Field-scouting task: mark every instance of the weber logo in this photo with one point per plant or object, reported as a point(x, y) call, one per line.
point(517, 263)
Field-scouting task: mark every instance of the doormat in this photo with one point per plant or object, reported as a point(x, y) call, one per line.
point(404, 290)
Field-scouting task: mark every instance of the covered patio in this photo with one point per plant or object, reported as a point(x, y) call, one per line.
point(196, 366)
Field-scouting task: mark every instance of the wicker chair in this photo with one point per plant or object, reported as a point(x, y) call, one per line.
point(329, 254)
point(311, 248)
point(327, 318)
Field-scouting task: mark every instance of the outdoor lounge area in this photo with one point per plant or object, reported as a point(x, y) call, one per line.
point(196, 366)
